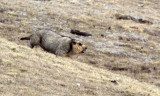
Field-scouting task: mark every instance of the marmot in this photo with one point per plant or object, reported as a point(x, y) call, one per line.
point(58, 44)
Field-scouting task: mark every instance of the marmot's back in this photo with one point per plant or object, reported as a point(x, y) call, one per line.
point(53, 42)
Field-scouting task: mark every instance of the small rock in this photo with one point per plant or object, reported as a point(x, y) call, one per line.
point(102, 35)
point(78, 84)
point(109, 28)
point(114, 81)
point(106, 89)
point(151, 48)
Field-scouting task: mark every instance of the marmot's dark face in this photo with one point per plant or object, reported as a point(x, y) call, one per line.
point(78, 47)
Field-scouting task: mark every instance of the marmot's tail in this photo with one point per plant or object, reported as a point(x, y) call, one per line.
point(25, 38)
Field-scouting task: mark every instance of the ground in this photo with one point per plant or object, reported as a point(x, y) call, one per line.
point(122, 57)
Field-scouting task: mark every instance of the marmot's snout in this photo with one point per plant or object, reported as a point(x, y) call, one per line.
point(84, 50)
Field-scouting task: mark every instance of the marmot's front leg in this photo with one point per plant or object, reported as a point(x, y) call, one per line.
point(60, 52)
point(68, 57)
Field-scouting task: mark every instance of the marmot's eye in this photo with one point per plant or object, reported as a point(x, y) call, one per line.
point(74, 43)
point(80, 44)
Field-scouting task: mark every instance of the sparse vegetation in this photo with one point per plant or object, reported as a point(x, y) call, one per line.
point(123, 50)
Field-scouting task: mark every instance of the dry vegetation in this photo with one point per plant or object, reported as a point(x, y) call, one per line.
point(125, 46)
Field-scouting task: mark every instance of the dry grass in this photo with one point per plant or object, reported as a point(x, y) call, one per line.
point(124, 47)
point(35, 72)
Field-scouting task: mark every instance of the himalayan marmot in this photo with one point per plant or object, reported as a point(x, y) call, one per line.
point(58, 44)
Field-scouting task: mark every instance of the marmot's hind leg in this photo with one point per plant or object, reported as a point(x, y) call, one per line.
point(31, 45)
point(34, 40)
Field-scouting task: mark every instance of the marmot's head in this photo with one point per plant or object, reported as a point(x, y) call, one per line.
point(77, 47)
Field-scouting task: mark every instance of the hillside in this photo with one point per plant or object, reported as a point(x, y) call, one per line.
point(28, 72)
point(124, 46)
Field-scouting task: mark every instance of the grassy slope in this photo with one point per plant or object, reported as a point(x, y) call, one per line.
point(128, 48)
point(35, 72)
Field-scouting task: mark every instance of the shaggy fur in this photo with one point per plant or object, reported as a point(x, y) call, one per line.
point(55, 43)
